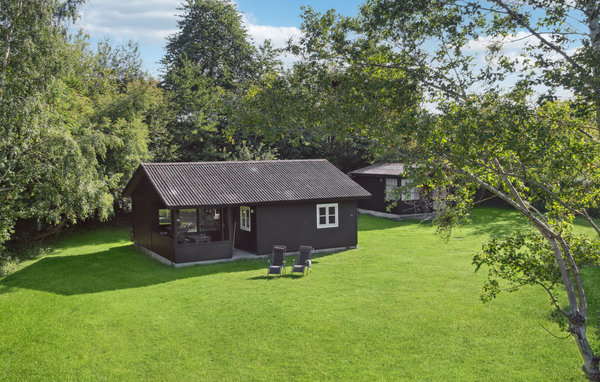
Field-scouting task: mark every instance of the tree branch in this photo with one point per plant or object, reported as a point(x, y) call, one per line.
point(591, 221)
point(544, 229)
point(552, 298)
point(521, 20)
point(543, 224)
point(583, 213)
point(590, 136)
point(422, 80)
point(554, 335)
point(576, 276)
point(564, 273)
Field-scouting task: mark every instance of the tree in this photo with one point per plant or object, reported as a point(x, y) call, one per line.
point(21, 41)
point(73, 123)
point(31, 41)
point(537, 154)
point(209, 63)
point(211, 37)
point(205, 63)
point(300, 111)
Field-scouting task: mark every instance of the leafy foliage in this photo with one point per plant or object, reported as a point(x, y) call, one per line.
point(537, 154)
point(74, 123)
point(212, 38)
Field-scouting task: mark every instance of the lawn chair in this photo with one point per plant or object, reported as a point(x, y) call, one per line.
point(277, 262)
point(303, 263)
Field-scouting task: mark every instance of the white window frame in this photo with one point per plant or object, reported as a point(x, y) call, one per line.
point(410, 194)
point(328, 223)
point(245, 218)
point(390, 189)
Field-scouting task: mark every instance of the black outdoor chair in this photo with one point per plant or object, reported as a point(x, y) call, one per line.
point(303, 263)
point(277, 262)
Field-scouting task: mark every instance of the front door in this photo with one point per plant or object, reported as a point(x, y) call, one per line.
point(245, 228)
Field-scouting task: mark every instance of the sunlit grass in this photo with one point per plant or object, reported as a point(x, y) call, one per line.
point(405, 305)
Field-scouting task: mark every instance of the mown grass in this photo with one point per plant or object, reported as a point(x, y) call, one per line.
point(405, 305)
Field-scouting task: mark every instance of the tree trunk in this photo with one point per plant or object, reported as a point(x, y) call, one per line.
point(9, 34)
point(590, 361)
point(5, 60)
point(578, 314)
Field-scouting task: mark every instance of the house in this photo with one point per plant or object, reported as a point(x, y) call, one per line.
point(382, 181)
point(188, 212)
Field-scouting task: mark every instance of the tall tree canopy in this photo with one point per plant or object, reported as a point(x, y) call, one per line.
point(73, 122)
point(300, 111)
point(211, 37)
point(207, 64)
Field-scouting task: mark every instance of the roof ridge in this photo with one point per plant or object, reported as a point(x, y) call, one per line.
point(241, 161)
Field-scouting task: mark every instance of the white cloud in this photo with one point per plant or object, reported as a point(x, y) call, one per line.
point(144, 21)
point(150, 22)
point(278, 35)
point(509, 43)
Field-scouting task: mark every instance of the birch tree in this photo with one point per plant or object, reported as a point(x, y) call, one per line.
point(498, 123)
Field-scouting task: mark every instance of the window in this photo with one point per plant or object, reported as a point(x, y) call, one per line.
point(245, 222)
point(164, 217)
point(390, 189)
point(188, 221)
point(327, 215)
point(412, 193)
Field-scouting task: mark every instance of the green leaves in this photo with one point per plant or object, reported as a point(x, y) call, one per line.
point(526, 259)
point(520, 259)
point(74, 123)
point(211, 37)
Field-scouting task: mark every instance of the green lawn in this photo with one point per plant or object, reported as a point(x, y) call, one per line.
point(405, 305)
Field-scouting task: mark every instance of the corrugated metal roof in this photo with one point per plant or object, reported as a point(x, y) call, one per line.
point(381, 169)
point(250, 182)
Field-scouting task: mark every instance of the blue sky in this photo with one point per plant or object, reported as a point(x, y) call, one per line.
point(148, 22)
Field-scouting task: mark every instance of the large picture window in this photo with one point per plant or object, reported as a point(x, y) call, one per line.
point(327, 215)
point(209, 219)
point(245, 221)
point(188, 220)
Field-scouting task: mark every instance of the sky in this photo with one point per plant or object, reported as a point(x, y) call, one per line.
point(149, 22)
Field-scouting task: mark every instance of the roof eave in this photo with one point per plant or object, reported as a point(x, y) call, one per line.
point(377, 175)
point(276, 202)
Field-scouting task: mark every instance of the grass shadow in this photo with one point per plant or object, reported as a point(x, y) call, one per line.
point(262, 277)
point(495, 221)
point(113, 269)
point(492, 221)
point(98, 236)
point(373, 223)
point(285, 276)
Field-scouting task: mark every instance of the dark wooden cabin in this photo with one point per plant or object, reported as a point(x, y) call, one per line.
point(382, 181)
point(188, 212)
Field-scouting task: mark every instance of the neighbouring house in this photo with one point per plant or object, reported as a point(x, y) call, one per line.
point(382, 181)
point(188, 212)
